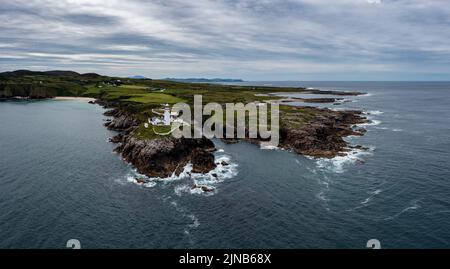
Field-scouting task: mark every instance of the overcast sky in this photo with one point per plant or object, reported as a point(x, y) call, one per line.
point(248, 39)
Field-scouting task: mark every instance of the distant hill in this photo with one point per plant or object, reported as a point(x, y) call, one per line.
point(55, 73)
point(46, 84)
point(206, 80)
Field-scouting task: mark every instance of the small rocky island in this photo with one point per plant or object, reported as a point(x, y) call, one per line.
point(306, 130)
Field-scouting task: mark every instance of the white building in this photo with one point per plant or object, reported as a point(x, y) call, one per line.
point(166, 117)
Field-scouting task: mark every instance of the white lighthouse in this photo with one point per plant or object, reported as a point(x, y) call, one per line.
point(167, 119)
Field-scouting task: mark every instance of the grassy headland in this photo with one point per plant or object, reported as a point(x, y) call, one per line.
point(138, 97)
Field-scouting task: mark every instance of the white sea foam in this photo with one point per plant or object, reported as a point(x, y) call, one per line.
point(372, 194)
point(206, 184)
point(376, 192)
point(414, 205)
point(339, 163)
point(367, 201)
point(321, 196)
point(269, 147)
point(374, 112)
point(391, 129)
point(134, 175)
point(195, 222)
point(370, 123)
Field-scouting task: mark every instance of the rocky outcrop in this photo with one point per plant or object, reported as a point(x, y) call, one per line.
point(318, 100)
point(122, 123)
point(323, 135)
point(320, 135)
point(203, 160)
point(161, 157)
point(112, 112)
point(117, 138)
point(158, 157)
point(204, 188)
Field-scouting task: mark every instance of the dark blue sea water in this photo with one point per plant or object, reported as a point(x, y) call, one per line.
point(60, 180)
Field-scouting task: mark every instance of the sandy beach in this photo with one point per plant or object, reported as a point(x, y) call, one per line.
point(83, 99)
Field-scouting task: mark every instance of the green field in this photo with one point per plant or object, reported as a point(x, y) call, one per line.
point(139, 97)
point(155, 98)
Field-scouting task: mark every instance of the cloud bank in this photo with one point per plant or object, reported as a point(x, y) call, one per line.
point(249, 39)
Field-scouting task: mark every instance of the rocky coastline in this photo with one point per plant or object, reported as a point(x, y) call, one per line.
point(159, 157)
point(166, 156)
point(306, 130)
point(323, 136)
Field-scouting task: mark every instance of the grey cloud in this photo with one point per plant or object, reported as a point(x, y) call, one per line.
point(89, 19)
point(241, 38)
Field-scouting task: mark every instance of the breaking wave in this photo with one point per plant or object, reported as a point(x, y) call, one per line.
point(374, 112)
point(193, 183)
point(371, 122)
point(206, 184)
point(339, 163)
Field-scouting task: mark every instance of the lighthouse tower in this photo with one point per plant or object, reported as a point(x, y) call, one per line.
point(167, 116)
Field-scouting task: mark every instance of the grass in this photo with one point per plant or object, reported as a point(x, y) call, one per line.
point(138, 97)
point(155, 98)
point(143, 133)
point(133, 87)
point(92, 91)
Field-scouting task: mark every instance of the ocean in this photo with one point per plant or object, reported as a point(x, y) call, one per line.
point(60, 180)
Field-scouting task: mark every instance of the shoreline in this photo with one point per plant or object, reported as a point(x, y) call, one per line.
point(69, 98)
point(305, 130)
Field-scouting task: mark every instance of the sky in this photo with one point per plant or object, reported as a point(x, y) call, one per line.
point(247, 39)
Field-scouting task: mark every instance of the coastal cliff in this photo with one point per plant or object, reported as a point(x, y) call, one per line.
point(163, 157)
point(159, 157)
point(323, 135)
point(320, 135)
point(304, 130)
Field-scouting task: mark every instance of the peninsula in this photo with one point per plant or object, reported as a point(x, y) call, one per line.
point(130, 102)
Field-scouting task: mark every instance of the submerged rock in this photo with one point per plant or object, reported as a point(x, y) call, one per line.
point(207, 189)
point(142, 180)
point(204, 188)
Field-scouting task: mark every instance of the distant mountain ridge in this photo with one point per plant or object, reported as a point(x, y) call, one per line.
point(46, 84)
point(56, 73)
point(204, 80)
